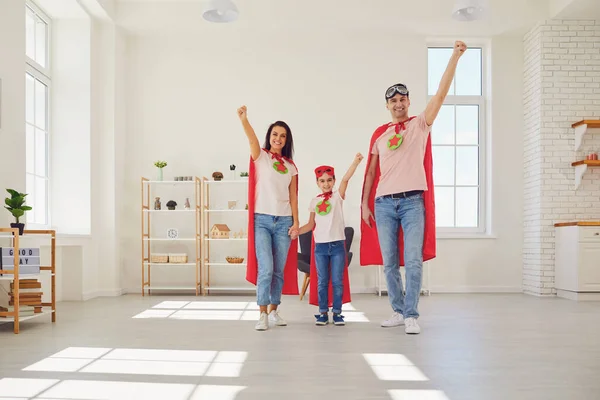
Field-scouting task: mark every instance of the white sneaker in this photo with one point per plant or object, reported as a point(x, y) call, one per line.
point(263, 322)
point(275, 319)
point(396, 320)
point(412, 327)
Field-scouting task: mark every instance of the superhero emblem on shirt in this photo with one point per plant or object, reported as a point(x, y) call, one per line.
point(395, 141)
point(280, 167)
point(323, 207)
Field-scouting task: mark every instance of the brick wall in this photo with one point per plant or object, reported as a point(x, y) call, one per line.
point(561, 86)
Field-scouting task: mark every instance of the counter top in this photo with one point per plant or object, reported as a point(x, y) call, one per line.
point(578, 223)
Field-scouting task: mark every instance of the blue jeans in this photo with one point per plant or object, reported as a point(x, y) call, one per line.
point(272, 243)
point(330, 254)
point(409, 213)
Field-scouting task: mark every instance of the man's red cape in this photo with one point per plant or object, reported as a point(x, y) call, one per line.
point(290, 274)
point(314, 285)
point(370, 252)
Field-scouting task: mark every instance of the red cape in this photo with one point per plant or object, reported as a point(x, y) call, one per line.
point(290, 274)
point(370, 252)
point(314, 281)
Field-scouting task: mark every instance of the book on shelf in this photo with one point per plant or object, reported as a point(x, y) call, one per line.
point(24, 311)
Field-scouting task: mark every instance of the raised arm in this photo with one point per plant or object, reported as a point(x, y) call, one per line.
point(435, 104)
point(366, 211)
point(349, 173)
point(252, 139)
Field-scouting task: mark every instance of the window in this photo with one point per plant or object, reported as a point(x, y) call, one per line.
point(37, 113)
point(458, 145)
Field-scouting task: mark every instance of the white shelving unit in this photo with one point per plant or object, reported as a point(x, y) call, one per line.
point(149, 242)
point(214, 216)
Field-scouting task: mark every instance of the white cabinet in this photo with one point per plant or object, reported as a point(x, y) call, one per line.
point(577, 261)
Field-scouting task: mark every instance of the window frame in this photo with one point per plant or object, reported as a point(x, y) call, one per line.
point(44, 75)
point(482, 102)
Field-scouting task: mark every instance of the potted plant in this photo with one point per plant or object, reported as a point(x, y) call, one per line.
point(160, 165)
point(171, 205)
point(16, 205)
point(244, 175)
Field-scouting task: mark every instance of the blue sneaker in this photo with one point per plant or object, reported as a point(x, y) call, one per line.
point(322, 319)
point(338, 319)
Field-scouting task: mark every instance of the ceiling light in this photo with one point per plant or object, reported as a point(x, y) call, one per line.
point(468, 10)
point(220, 11)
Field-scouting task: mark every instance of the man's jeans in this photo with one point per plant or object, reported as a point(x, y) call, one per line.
point(272, 243)
point(390, 214)
point(334, 254)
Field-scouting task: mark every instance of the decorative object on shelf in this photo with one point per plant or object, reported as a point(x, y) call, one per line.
point(235, 260)
point(178, 258)
point(172, 233)
point(244, 175)
point(239, 235)
point(177, 178)
point(220, 231)
point(186, 206)
point(217, 176)
point(15, 204)
point(160, 165)
point(171, 204)
point(232, 204)
point(232, 169)
point(157, 205)
point(246, 206)
point(159, 258)
point(592, 156)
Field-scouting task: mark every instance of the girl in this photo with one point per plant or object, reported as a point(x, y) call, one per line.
point(328, 249)
point(272, 219)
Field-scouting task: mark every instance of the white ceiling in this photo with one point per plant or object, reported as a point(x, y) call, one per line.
point(424, 17)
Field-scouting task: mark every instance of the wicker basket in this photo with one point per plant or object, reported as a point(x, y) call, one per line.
point(159, 258)
point(235, 260)
point(178, 258)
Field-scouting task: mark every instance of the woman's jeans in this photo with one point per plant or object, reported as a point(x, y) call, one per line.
point(330, 254)
point(272, 243)
point(390, 214)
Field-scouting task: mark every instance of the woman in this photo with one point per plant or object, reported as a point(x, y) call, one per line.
point(272, 219)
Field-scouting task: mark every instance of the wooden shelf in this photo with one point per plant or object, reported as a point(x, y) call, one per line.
point(591, 163)
point(15, 276)
point(577, 223)
point(211, 215)
point(149, 242)
point(591, 123)
point(580, 168)
point(583, 127)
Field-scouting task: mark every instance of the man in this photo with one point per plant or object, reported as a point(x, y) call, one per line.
point(399, 186)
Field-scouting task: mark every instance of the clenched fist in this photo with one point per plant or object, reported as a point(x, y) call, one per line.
point(459, 48)
point(242, 112)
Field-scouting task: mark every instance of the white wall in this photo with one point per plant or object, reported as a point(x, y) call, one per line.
point(564, 74)
point(182, 98)
point(12, 100)
point(70, 177)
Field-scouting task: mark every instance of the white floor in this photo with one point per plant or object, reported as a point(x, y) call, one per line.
point(188, 348)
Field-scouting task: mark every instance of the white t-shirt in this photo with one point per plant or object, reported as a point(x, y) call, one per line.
point(329, 219)
point(272, 195)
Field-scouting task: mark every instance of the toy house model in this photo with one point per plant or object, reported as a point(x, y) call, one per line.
point(219, 231)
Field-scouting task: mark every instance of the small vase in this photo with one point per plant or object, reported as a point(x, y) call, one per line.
point(160, 175)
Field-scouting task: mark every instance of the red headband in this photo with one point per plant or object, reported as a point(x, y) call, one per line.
point(324, 169)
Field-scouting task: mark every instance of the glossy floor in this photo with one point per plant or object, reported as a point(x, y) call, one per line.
point(189, 348)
